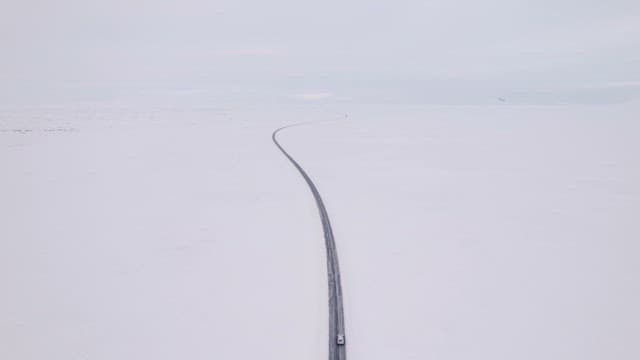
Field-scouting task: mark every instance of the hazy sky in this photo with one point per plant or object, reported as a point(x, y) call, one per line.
point(321, 45)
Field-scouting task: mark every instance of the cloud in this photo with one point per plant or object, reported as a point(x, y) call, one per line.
point(313, 96)
point(248, 52)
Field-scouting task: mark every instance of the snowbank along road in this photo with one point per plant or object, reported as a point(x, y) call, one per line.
point(337, 345)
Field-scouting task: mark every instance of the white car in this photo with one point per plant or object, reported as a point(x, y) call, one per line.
point(340, 339)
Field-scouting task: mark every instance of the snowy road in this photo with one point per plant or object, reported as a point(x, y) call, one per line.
point(336, 311)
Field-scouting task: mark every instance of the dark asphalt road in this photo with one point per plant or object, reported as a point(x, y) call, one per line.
point(336, 311)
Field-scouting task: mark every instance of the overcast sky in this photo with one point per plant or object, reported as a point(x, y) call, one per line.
point(321, 46)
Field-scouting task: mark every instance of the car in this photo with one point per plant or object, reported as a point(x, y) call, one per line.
point(340, 339)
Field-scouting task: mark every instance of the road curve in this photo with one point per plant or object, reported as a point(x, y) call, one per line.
point(336, 311)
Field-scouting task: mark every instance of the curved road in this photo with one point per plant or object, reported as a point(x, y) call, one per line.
point(337, 351)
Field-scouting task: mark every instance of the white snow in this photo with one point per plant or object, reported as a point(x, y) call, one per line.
point(159, 235)
point(484, 232)
point(463, 232)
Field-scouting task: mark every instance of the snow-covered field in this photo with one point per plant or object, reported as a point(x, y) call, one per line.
point(485, 232)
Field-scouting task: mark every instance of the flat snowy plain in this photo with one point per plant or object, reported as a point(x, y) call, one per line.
point(484, 232)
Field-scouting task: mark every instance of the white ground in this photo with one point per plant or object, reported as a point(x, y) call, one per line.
point(463, 232)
